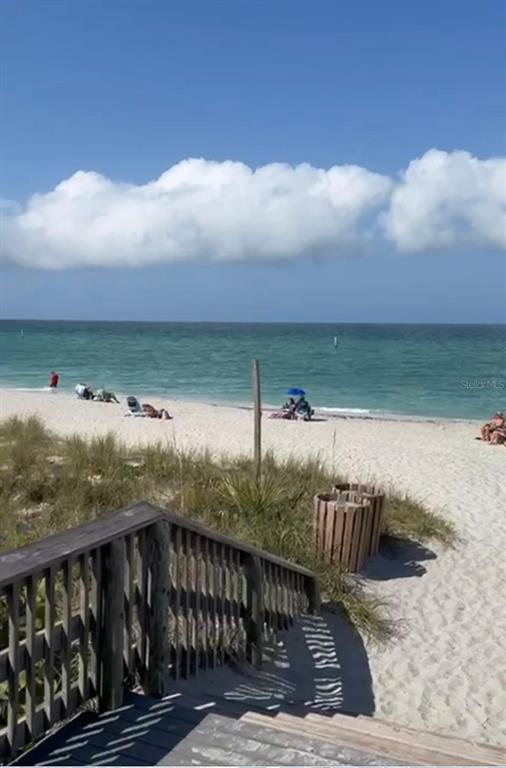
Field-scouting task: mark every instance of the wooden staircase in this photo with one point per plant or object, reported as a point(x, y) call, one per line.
point(382, 739)
point(184, 730)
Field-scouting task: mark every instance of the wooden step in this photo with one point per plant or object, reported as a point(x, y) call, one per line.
point(295, 725)
point(418, 752)
point(455, 744)
point(228, 713)
point(461, 751)
point(317, 726)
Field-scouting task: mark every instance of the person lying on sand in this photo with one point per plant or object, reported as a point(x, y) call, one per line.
point(135, 408)
point(287, 411)
point(153, 413)
point(488, 429)
point(102, 396)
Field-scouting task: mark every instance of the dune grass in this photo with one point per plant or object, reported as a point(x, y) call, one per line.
point(48, 484)
point(406, 518)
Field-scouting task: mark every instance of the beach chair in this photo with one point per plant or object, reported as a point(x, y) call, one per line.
point(134, 407)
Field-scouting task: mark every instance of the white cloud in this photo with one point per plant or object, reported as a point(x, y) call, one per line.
point(208, 211)
point(448, 199)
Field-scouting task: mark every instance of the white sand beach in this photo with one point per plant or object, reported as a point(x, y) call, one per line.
point(446, 672)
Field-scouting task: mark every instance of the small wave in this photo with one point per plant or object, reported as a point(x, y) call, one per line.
point(386, 415)
point(27, 389)
point(346, 410)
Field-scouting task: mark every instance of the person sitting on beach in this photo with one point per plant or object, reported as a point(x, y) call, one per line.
point(498, 436)
point(303, 410)
point(102, 396)
point(83, 392)
point(488, 429)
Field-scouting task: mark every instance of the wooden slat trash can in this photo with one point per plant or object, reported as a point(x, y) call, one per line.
point(375, 495)
point(348, 523)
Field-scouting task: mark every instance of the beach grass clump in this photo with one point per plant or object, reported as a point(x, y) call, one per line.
point(48, 484)
point(409, 519)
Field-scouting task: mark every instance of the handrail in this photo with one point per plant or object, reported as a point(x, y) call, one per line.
point(140, 595)
point(48, 552)
point(35, 557)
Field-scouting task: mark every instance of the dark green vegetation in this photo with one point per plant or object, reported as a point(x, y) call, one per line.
point(48, 484)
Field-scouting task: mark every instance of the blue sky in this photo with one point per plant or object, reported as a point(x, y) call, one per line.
point(129, 89)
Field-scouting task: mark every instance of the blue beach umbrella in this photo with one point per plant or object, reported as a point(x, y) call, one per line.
point(295, 392)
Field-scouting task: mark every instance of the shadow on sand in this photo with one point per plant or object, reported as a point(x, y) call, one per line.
point(397, 559)
point(319, 665)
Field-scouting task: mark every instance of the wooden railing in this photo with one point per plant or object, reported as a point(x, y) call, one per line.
point(137, 597)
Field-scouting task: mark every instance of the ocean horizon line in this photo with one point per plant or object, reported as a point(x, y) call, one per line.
point(258, 322)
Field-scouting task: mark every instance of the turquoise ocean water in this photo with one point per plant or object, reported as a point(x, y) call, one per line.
point(419, 370)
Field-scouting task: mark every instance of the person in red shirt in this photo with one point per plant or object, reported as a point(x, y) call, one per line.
point(53, 380)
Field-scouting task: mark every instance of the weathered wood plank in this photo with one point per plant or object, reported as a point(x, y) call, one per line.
point(353, 511)
point(277, 589)
point(229, 597)
point(67, 640)
point(49, 620)
point(198, 604)
point(96, 612)
point(84, 614)
point(142, 601)
point(13, 677)
point(347, 533)
point(31, 658)
point(187, 610)
point(129, 650)
point(221, 603)
point(312, 590)
point(205, 604)
point(289, 597)
point(298, 590)
point(255, 610)
point(237, 599)
point(111, 689)
point(286, 598)
point(177, 604)
point(330, 523)
point(157, 677)
point(214, 604)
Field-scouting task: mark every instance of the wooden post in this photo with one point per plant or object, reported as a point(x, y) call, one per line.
point(13, 668)
point(255, 613)
point(157, 673)
point(113, 620)
point(257, 420)
point(313, 595)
